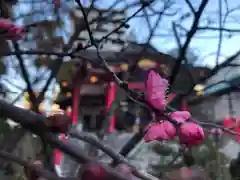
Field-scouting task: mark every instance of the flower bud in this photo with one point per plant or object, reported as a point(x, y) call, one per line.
point(160, 131)
point(191, 134)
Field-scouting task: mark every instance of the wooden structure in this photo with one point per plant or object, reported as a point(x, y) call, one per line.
point(91, 99)
point(216, 90)
point(98, 90)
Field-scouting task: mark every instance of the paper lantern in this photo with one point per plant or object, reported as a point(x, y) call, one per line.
point(64, 83)
point(93, 79)
point(147, 64)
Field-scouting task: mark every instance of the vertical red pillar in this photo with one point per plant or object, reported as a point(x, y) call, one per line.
point(77, 82)
point(111, 95)
point(75, 100)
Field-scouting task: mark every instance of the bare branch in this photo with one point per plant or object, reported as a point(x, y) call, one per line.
point(190, 34)
point(190, 6)
point(208, 28)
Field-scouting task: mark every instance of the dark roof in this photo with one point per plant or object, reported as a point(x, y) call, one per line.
point(132, 54)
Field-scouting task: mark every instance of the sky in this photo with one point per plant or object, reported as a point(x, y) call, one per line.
point(204, 43)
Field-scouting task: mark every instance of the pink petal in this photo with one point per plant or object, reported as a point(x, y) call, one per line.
point(160, 131)
point(216, 131)
point(153, 132)
point(180, 116)
point(156, 87)
point(191, 134)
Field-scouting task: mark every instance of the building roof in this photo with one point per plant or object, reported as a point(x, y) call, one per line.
point(133, 53)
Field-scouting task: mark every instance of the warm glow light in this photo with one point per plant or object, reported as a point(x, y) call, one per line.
point(93, 79)
point(124, 66)
point(198, 87)
point(55, 107)
point(41, 107)
point(69, 109)
point(64, 83)
point(68, 94)
point(27, 105)
point(200, 93)
point(146, 63)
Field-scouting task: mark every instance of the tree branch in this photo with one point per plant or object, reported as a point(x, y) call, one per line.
point(208, 28)
point(190, 7)
point(190, 34)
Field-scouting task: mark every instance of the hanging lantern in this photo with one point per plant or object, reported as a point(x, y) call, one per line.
point(64, 83)
point(124, 67)
point(198, 87)
point(69, 94)
point(93, 79)
point(146, 64)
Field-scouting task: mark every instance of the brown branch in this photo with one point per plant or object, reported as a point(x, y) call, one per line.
point(190, 6)
point(39, 171)
point(36, 123)
point(116, 157)
point(215, 70)
point(26, 78)
point(190, 34)
point(208, 28)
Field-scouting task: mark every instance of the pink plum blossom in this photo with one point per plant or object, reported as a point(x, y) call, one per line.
point(216, 131)
point(10, 31)
point(156, 87)
point(180, 116)
point(191, 134)
point(160, 131)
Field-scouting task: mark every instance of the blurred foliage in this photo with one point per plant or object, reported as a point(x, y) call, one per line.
point(206, 155)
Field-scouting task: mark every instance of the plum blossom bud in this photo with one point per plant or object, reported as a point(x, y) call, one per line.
point(216, 131)
point(10, 31)
point(160, 131)
point(126, 170)
point(185, 173)
point(180, 116)
point(93, 172)
point(191, 134)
